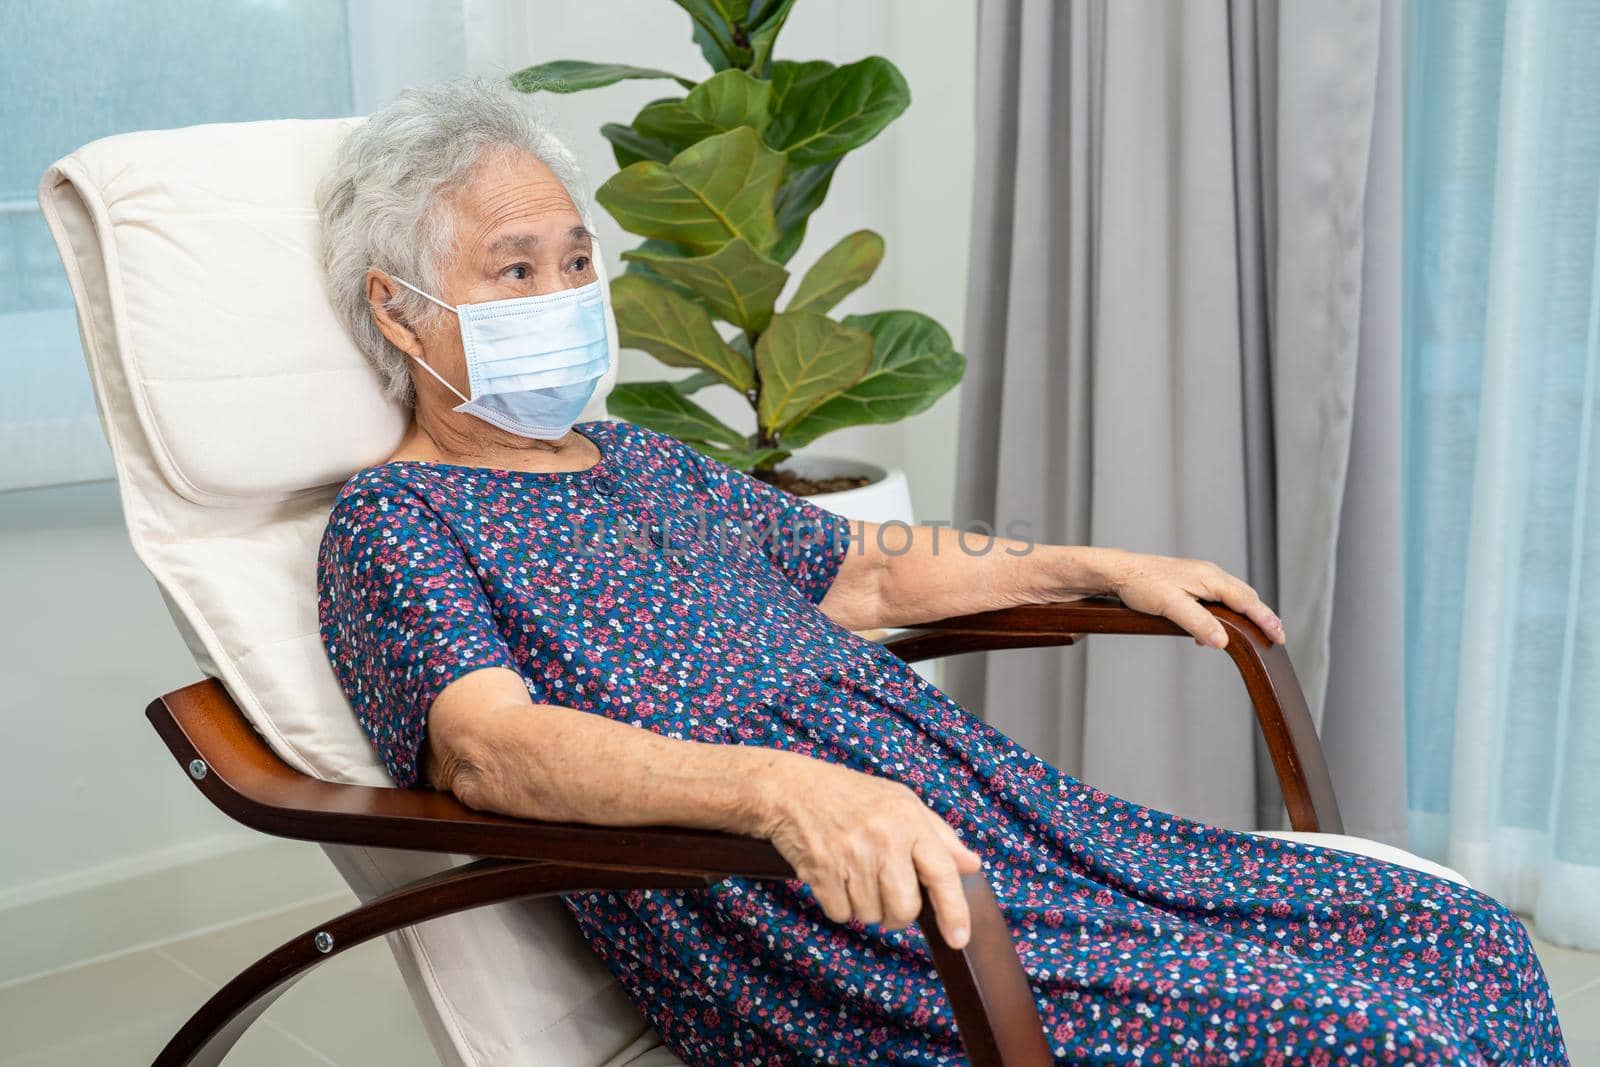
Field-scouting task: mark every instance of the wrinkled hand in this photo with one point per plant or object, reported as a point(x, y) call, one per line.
point(866, 844)
point(1173, 588)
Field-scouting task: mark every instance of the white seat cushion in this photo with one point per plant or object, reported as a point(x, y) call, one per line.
point(1376, 849)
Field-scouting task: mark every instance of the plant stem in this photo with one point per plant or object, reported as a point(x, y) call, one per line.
point(763, 438)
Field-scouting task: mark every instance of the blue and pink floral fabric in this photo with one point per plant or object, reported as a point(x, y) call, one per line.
point(661, 589)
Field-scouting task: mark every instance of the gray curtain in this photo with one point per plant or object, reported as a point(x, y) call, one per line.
point(1183, 334)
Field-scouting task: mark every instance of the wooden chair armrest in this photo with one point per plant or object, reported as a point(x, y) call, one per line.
point(235, 770)
point(247, 781)
point(1269, 678)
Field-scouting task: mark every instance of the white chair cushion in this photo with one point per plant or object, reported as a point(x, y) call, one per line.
point(1376, 849)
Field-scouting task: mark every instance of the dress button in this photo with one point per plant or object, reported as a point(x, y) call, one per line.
point(655, 538)
point(603, 486)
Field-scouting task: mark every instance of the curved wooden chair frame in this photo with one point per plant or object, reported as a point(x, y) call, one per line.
point(989, 992)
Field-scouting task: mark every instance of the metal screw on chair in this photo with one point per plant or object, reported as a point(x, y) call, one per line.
point(197, 769)
point(323, 941)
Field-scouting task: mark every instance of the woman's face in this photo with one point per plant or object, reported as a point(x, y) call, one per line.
point(517, 233)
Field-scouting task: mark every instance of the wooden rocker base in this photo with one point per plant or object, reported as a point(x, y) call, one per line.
point(211, 1032)
point(973, 975)
point(988, 989)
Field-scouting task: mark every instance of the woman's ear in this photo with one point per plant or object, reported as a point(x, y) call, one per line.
point(380, 290)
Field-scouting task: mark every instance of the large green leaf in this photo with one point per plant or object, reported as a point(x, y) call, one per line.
point(678, 332)
point(804, 188)
point(630, 146)
point(803, 359)
point(575, 75)
point(842, 270)
point(736, 282)
point(913, 364)
point(732, 12)
point(825, 117)
point(714, 22)
point(789, 76)
point(709, 194)
point(715, 56)
point(760, 9)
point(662, 407)
point(693, 383)
point(764, 27)
point(800, 195)
point(642, 268)
point(722, 102)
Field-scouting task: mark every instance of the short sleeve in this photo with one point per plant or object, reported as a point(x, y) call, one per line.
point(806, 543)
point(402, 615)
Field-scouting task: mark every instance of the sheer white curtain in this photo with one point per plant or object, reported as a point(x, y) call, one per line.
point(1502, 399)
point(70, 73)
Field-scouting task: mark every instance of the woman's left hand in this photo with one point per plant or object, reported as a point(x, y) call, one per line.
point(1173, 588)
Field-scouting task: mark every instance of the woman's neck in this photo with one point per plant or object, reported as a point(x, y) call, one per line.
point(466, 441)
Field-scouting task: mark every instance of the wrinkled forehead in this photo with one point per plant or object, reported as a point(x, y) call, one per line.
point(512, 184)
point(513, 196)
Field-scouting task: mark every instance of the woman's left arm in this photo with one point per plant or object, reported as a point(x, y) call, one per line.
point(901, 576)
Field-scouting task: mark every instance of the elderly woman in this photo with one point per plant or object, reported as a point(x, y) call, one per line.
point(516, 618)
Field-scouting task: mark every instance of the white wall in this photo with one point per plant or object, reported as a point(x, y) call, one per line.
point(92, 798)
point(87, 644)
point(106, 844)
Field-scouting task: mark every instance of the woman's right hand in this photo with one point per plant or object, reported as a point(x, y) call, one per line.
point(866, 844)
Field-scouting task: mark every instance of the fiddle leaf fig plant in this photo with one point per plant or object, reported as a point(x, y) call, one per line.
point(721, 182)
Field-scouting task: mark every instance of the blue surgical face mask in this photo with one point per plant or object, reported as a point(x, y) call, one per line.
point(532, 361)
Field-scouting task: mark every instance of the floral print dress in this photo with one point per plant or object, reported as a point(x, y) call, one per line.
point(660, 588)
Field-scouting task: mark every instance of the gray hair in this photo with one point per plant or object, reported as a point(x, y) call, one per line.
point(382, 203)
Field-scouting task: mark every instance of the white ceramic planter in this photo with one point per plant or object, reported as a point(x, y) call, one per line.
point(887, 498)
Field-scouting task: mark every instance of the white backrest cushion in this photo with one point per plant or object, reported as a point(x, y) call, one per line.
point(235, 406)
point(242, 377)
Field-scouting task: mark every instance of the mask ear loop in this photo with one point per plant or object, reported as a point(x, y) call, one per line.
point(437, 376)
point(440, 379)
point(425, 296)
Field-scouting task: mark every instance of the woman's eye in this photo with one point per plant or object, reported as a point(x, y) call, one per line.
point(580, 264)
point(520, 272)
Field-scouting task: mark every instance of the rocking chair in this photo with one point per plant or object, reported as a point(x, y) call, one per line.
point(235, 406)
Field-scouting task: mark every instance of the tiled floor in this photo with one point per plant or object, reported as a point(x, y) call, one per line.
point(353, 1009)
point(1575, 981)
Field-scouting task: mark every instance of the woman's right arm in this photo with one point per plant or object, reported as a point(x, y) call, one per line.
point(862, 843)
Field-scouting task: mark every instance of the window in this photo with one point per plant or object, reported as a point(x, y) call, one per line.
point(74, 72)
